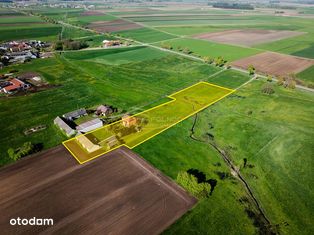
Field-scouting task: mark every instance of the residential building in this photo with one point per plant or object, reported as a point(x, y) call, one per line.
point(87, 144)
point(14, 85)
point(129, 121)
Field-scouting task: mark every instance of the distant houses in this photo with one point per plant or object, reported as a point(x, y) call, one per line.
point(111, 43)
point(21, 51)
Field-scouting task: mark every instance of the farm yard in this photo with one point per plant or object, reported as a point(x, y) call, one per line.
point(162, 201)
point(136, 129)
point(246, 158)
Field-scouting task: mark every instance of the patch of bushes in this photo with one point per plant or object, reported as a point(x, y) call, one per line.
point(251, 69)
point(26, 149)
point(195, 182)
point(268, 89)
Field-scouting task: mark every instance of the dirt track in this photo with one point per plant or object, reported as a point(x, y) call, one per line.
point(119, 193)
point(247, 37)
point(274, 63)
point(113, 26)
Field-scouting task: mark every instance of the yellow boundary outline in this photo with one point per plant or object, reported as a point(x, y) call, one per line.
point(158, 106)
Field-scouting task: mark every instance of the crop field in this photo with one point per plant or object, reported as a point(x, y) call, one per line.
point(247, 37)
point(212, 49)
point(18, 26)
point(113, 26)
point(307, 75)
point(106, 188)
point(146, 35)
point(117, 57)
point(229, 78)
point(276, 141)
point(275, 64)
point(151, 122)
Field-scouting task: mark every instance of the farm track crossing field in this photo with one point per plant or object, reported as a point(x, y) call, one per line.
point(247, 37)
point(275, 63)
point(152, 122)
point(151, 202)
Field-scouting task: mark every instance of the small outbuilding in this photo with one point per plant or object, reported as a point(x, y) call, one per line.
point(104, 110)
point(129, 121)
point(75, 114)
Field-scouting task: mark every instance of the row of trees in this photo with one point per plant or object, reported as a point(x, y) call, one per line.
point(218, 61)
point(69, 45)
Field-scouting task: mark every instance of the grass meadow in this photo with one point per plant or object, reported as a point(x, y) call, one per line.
point(277, 143)
point(133, 85)
point(211, 49)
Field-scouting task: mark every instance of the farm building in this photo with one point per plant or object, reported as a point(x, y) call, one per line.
point(111, 141)
point(14, 85)
point(104, 110)
point(64, 126)
point(89, 125)
point(129, 121)
point(87, 144)
point(107, 43)
point(75, 114)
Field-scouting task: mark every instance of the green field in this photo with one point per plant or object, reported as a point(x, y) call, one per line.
point(229, 78)
point(151, 122)
point(133, 85)
point(116, 57)
point(273, 132)
point(145, 35)
point(307, 76)
point(26, 27)
point(277, 143)
point(211, 49)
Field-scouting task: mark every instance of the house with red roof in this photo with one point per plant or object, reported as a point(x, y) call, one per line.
point(14, 85)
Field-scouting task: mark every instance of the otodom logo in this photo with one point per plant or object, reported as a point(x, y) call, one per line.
point(32, 221)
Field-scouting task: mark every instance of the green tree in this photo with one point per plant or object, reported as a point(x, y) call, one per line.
point(251, 69)
point(269, 78)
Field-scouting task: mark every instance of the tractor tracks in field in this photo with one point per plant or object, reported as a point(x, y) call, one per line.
point(267, 225)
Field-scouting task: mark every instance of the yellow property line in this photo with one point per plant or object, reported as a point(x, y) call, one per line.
point(158, 106)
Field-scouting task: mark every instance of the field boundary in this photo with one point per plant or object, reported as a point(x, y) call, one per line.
point(173, 99)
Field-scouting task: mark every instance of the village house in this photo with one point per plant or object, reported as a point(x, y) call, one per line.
point(64, 126)
point(111, 43)
point(104, 110)
point(129, 121)
point(14, 85)
point(87, 144)
point(89, 125)
point(75, 114)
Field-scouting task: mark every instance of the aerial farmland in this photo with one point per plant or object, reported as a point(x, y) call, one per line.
point(156, 117)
